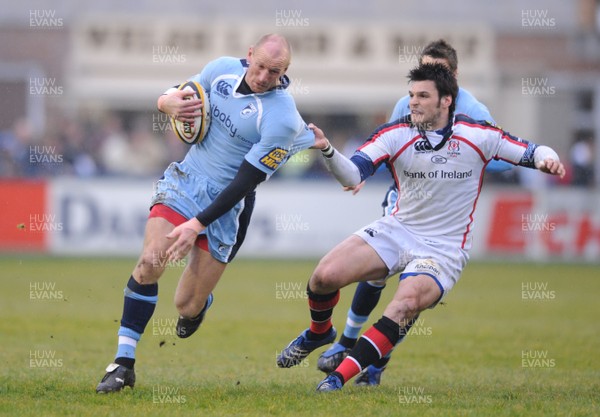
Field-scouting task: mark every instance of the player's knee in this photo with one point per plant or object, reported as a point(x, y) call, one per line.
point(149, 267)
point(404, 308)
point(323, 278)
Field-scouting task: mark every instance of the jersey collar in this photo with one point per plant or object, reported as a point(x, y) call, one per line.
point(446, 133)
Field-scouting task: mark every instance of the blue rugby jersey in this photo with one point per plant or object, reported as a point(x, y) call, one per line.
point(265, 129)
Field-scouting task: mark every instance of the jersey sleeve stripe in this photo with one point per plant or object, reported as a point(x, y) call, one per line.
point(403, 148)
point(381, 159)
point(507, 137)
point(477, 124)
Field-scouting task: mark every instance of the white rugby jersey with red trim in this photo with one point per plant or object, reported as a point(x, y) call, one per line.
point(439, 184)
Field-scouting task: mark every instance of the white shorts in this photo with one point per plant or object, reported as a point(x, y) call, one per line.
point(410, 254)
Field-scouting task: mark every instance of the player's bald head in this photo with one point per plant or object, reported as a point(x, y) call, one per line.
point(276, 46)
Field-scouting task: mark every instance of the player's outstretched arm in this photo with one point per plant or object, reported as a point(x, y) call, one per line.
point(342, 168)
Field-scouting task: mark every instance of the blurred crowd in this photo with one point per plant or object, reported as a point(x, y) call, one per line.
point(104, 147)
point(143, 144)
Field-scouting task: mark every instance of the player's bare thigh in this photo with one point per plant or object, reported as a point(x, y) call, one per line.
point(153, 260)
point(199, 279)
point(414, 294)
point(350, 261)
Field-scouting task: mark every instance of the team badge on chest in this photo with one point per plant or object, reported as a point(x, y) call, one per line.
point(453, 148)
point(248, 111)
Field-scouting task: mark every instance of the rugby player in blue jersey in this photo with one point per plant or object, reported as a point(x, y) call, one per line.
point(202, 205)
point(367, 294)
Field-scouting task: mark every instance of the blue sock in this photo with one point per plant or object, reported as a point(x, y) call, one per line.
point(138, 307)
point(365, 299)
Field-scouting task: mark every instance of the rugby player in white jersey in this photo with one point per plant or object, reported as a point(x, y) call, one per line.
point(202, 205)
point(367, 293)
point(426, 240)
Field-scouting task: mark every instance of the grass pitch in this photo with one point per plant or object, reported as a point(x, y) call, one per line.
point(510, 340)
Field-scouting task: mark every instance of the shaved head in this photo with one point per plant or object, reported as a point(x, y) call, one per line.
point(277, 46)
point(268, 60)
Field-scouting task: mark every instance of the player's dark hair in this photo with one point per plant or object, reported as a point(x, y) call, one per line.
point(441, 49)
point(445, 83)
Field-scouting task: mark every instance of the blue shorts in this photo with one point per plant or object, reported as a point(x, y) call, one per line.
point(188, 193)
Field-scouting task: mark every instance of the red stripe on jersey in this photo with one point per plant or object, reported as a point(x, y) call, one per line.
point(395, 174)
point(514, 142)
point(375, 135)
point(383, 158)
point(402, 149)
point(382, 343)
point(324, 305)
point(472, 145)
point(478, 126)
point(466, 234)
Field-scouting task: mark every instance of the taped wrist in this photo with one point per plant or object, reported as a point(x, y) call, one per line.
point(328, 151)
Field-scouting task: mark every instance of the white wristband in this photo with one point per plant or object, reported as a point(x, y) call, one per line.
point(542, 153)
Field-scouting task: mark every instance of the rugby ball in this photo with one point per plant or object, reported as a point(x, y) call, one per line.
point(192, 133)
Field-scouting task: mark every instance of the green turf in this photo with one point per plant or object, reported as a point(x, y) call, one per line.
point(468, 357)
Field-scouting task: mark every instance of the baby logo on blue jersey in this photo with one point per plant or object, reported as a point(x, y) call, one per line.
point(248, 111)
point(274, 158)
